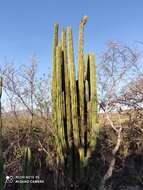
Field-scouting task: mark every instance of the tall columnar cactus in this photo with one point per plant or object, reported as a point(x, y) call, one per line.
point(74, 101)
point(27, 167)
point(1, 151)
point(81, 77)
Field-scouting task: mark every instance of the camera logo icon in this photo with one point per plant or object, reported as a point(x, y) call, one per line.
point(9, 179)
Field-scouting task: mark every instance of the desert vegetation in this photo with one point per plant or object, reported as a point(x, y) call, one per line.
point(77, 127)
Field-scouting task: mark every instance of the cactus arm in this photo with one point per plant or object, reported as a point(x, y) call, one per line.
point(66, 87)
point(93, 92)
point(81, 74)
point(53, 91)
point(60, 100)
point(73, 89)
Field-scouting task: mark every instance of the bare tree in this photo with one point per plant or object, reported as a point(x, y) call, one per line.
point(119, 66)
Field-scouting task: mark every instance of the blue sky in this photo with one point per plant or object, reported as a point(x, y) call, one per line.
point(26, 26)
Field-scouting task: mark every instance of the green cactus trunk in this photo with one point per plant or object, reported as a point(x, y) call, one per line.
point(1, 150)
point(27, 167)
point(66, 89)
point(81, 78)
point(74, 108)
point(73, 88)
point(93, 99)
point(54, 85)
point(87, 102)
point(54, 94)
point(60, 102)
